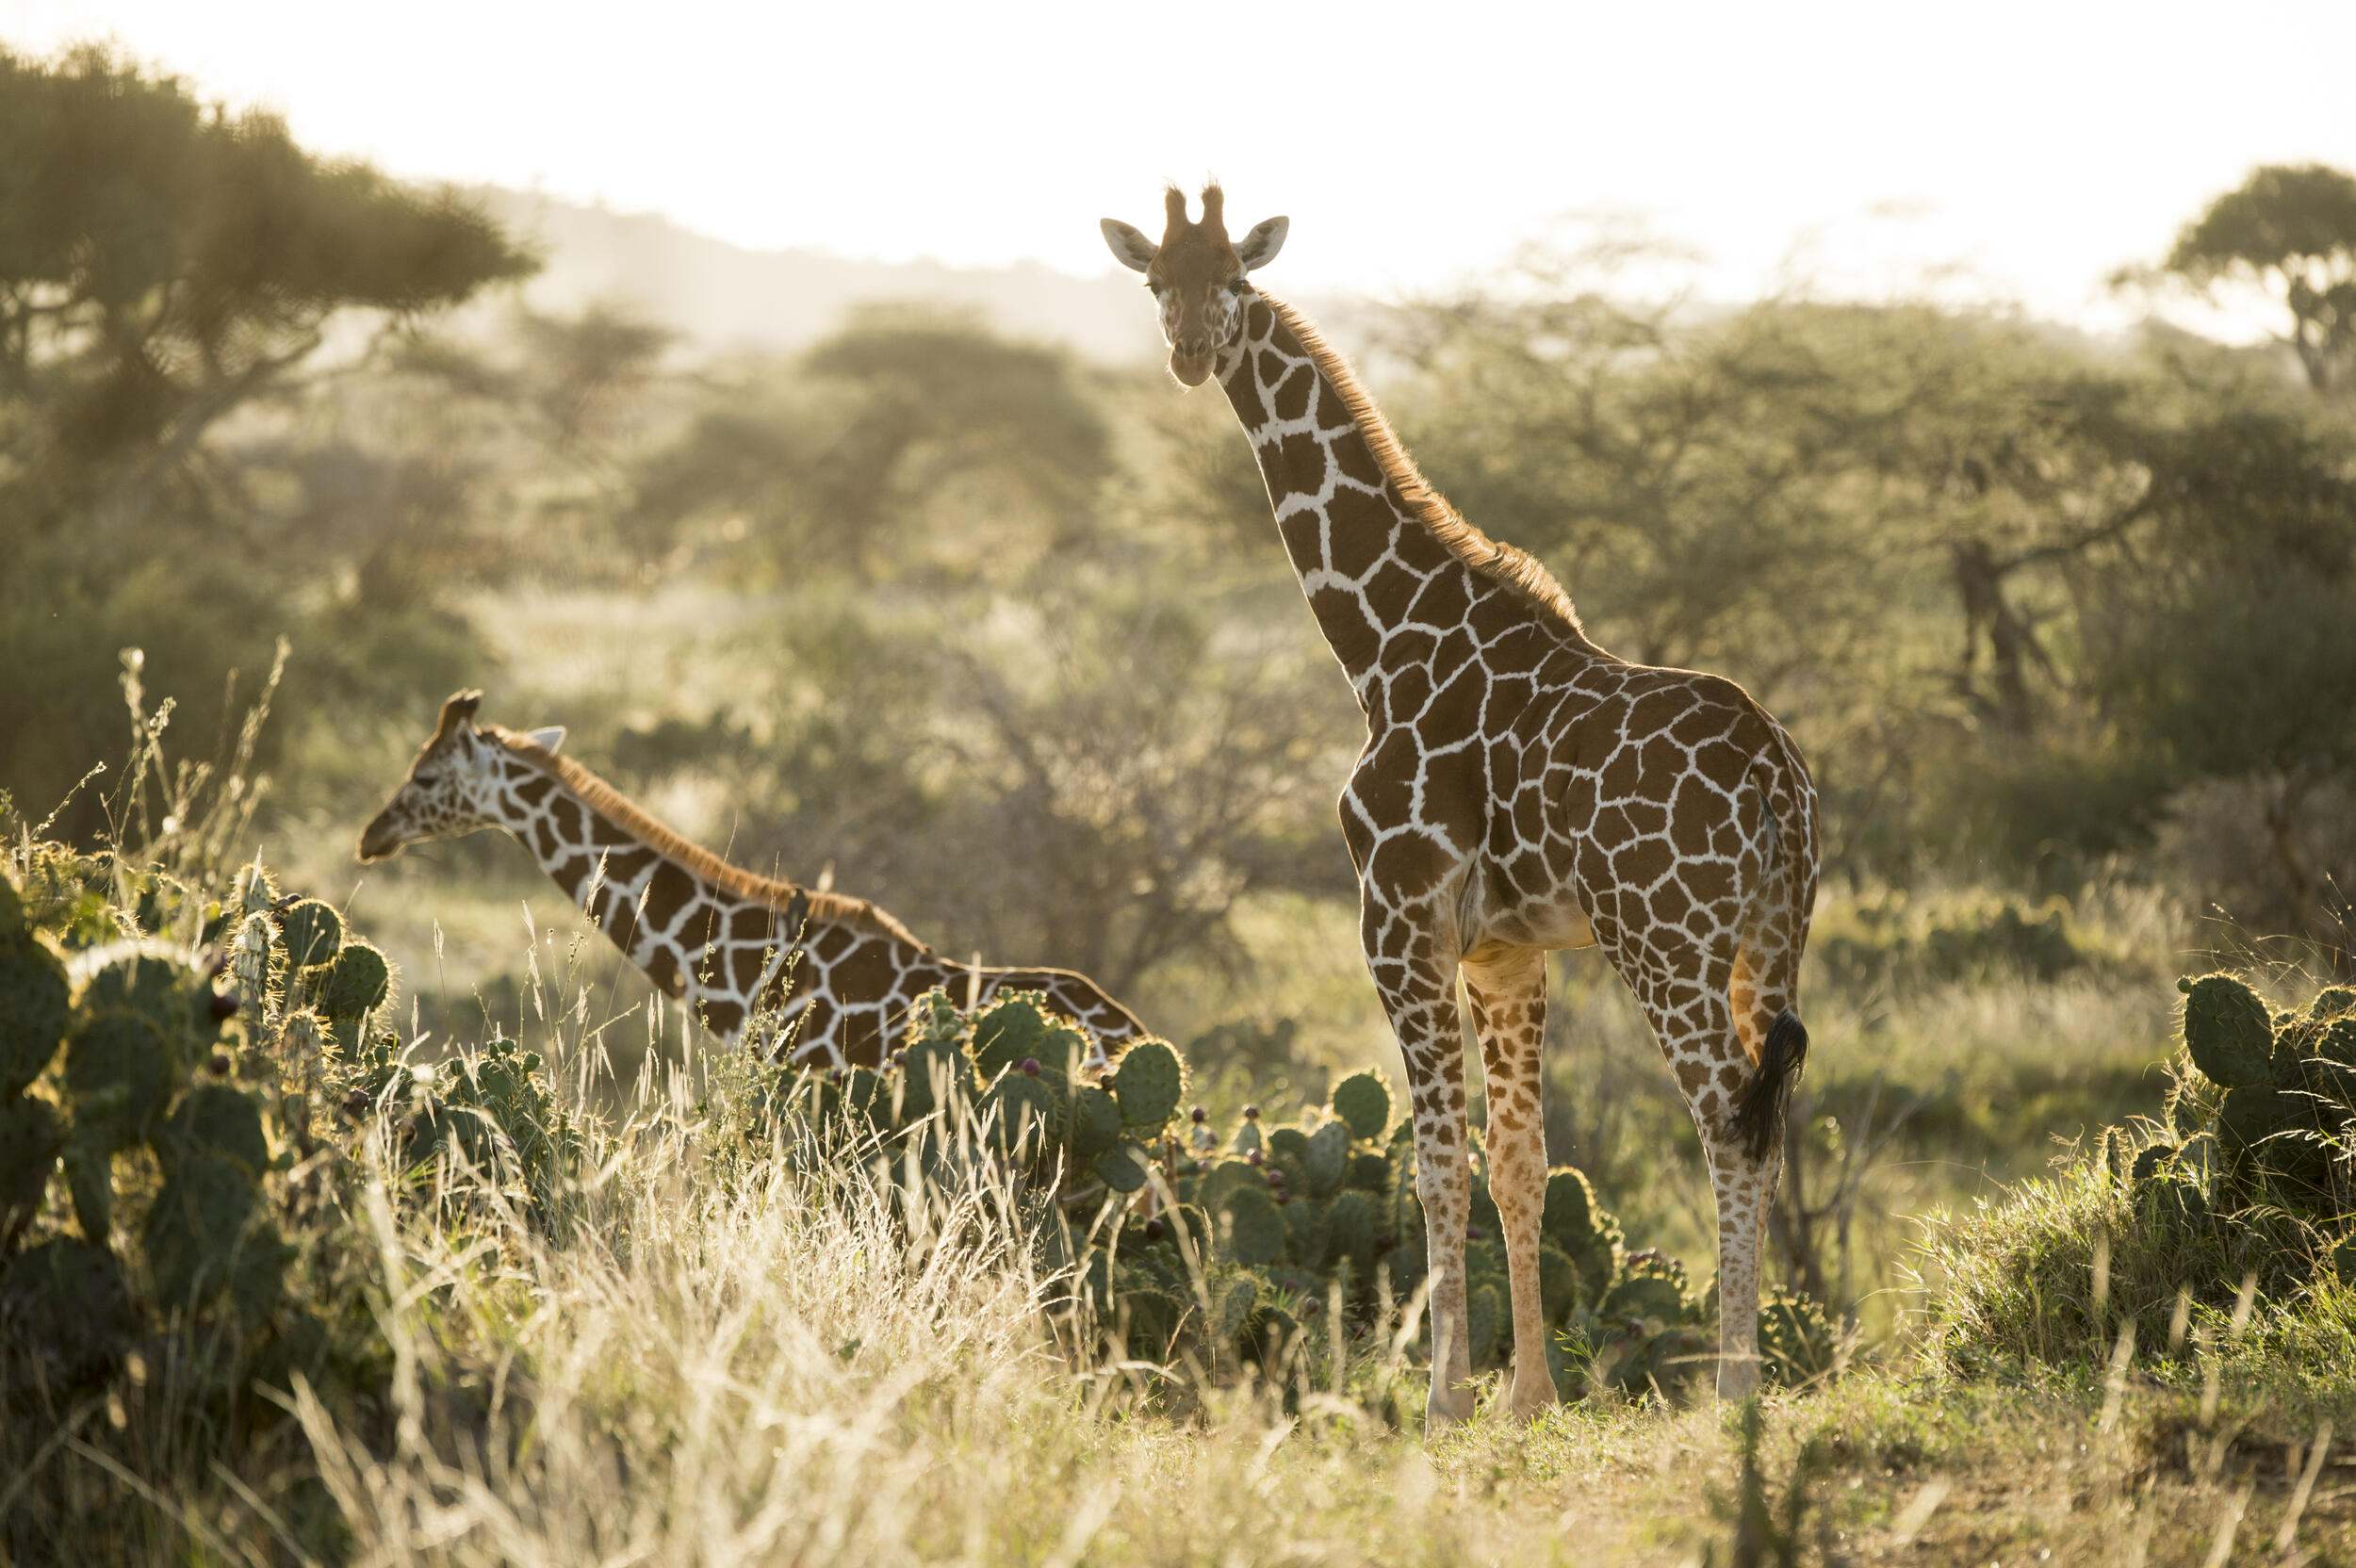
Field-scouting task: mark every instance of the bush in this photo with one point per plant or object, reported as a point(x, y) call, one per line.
point(2245, 1187)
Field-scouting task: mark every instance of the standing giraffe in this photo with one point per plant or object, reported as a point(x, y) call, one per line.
point(706, 932)
point(1521, 791)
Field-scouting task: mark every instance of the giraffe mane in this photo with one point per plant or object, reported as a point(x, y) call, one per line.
point(1516, 571)
point(689, 855)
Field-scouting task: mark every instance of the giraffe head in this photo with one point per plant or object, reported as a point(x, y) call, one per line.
point(1197, 276)
point(453, 787)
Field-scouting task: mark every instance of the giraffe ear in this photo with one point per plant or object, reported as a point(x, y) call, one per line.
point(549, 739)
point(1129, 247)
point(1260, 246)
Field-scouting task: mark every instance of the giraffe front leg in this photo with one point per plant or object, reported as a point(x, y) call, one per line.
point(1419, 994)
point(1509, 1013)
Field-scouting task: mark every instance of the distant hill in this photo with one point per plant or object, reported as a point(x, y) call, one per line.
point(720, 296)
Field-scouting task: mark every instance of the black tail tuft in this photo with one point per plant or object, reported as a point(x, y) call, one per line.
point(1758, 1108)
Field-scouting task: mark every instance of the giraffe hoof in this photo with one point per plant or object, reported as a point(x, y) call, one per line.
point(1440, 1415)
point(1529, 1404)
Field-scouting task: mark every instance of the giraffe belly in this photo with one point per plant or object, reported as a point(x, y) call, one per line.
point(1555, 927)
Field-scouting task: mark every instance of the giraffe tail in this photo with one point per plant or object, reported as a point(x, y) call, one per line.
point(1758, 1106)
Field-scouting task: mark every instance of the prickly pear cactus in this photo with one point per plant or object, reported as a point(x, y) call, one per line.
point(1362, 1101)
point(310, 932)
point(1148, 1083)
point(34, 1004)
point(357, 984)
point(2229, 1031)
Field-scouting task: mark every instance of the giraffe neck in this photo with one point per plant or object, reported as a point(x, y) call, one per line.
point(1378, 575)
point(713, 947)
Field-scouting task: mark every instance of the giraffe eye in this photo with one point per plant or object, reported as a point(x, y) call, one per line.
point(426, 779)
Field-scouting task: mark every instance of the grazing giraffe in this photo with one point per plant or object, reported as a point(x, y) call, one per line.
point(706, 932)
point(1521, 791)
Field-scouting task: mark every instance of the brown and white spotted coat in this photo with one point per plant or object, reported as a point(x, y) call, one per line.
point(710, 934)
point(1521, 791)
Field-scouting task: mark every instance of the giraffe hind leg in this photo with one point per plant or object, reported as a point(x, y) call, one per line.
point(1509, 1013)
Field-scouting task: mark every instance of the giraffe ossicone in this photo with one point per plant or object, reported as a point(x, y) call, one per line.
point(1521, 791)
point(752, 957)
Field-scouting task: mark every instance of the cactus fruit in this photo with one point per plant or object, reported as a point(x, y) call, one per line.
point(2229, 1031)
point(1362, 1101)
point(33, 1008)
point(311, 933)
point(1148, 1083)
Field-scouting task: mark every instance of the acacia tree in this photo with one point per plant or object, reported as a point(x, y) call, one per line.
point(2288, 232)
point(165, 267)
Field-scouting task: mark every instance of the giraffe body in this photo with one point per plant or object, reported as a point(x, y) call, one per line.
point(1521, 791)
point(710, 934)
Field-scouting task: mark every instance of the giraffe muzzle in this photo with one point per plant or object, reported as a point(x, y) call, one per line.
point(1192, 370)
point(379, 840)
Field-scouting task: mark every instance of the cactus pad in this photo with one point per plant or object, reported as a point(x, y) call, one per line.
point(1362, 1101)
point(1352, 1223)
point(1149, 1083)
point(311, 931)
point(1011, 1029)
point(1571, 1210)
point(1325, 1159)
point(355, 987)
point(70, 1297)
point(1255, 1227)
point(213, 1118)
point(1485, 1321)
point(1027, 1115)
point(1095, 1124)
point(33, 1009)
point(1123, 1167)
point(2229, 1031)
point(30, 1137)
point(120, 1071)
point(1649, 1298)
point(206, 1233)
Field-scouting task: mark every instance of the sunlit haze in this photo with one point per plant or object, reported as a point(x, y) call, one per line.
point(2031, 147)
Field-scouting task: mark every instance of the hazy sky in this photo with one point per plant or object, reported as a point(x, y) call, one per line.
point(2034, 145)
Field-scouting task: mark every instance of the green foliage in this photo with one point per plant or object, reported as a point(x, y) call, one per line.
point(492, 1109)
point(2252, 1181)
point(164, 1134)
